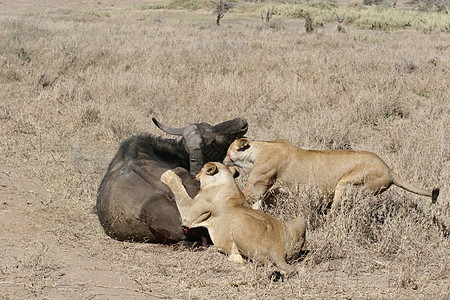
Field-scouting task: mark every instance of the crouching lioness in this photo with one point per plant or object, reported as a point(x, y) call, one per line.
point(331, 171)
point(235, 228)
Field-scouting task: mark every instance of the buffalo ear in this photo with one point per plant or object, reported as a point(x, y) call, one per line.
point(211, 169)
point(243, 144)
point(234, 171)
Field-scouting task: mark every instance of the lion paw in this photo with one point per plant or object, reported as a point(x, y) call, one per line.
point(237, 258)
point(167, 176)
point(257, 205)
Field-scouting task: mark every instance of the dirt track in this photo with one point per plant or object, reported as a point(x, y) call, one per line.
point(36, 259)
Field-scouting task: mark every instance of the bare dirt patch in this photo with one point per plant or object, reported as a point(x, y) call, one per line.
point(38, 262)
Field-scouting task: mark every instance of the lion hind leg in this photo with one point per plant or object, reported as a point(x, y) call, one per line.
point(339, 193)
point(296, 233)
point(346, 183)
point(279, 260)
point(377, 186)
point(372, 182)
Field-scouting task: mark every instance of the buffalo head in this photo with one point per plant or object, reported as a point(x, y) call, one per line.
point(204, 142)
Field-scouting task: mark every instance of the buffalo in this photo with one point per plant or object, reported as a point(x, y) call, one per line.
point(133, 204)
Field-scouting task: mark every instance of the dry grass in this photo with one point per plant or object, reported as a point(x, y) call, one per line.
point(75, 80)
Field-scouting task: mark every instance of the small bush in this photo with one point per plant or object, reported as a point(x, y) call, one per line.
point(185, 4)
point(153, 6)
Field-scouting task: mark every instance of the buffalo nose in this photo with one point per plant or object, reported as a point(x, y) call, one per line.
point(244, 124)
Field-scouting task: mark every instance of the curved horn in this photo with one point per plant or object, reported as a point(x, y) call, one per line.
point(167, 129)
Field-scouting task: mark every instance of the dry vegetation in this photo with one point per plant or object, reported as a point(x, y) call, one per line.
point(75, 80)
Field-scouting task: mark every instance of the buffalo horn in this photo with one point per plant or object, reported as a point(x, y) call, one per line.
point(193, 142)
point(169, 130)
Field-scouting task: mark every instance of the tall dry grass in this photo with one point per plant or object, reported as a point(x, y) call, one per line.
point(77, 80)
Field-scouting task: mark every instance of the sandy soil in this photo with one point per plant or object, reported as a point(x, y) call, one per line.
point(36, 259)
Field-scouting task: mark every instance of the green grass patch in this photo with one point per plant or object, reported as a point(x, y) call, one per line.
point(376, 18)
point(153, 6)
point(191, 5)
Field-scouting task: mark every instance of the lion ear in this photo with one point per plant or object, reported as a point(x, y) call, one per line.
point(211, 169)
point(243, 145)
point(234, 171)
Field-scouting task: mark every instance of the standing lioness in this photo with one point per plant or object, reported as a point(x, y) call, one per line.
point(235, 228)
point(331, 171)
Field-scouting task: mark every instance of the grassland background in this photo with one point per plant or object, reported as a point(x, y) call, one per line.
point(78, 77)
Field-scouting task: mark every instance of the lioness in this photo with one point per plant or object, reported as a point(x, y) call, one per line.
point(331, 171)
point(234, 227)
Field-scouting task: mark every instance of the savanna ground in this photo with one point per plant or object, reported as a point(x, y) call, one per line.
point(78, 77)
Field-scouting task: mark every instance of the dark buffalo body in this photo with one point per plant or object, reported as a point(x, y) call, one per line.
point(133, 203)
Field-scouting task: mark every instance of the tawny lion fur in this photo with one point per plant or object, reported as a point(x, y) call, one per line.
point(330, 171)
point(234, 227)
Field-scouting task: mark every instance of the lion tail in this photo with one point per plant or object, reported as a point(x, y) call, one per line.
point(398, 181)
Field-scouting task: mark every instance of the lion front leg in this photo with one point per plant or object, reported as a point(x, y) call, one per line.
point(258, 183)
point(193, 212)
point(255, 192)
point(182, 199)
